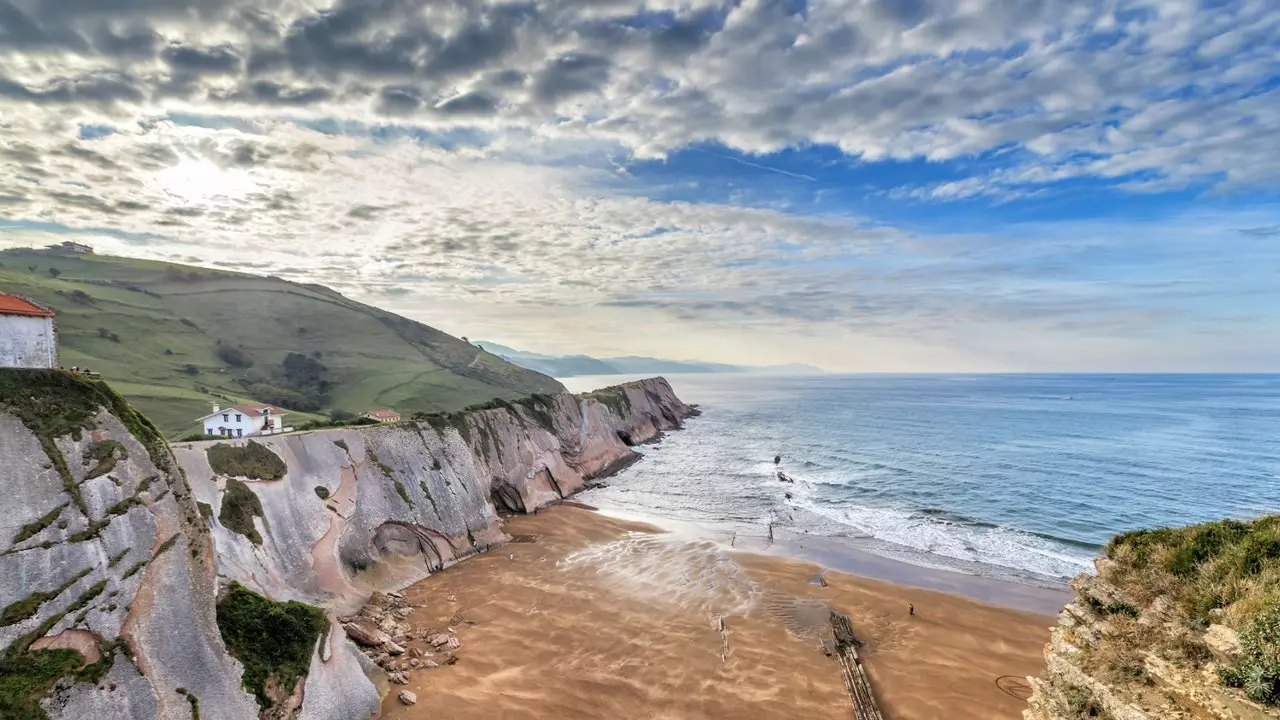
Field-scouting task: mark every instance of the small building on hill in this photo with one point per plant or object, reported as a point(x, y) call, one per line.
point(72, 247)
point(28, 336)
point(244, 421)
point(386, 416)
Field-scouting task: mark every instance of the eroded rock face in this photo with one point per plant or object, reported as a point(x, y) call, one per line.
point(100, 562)
point(122, 545)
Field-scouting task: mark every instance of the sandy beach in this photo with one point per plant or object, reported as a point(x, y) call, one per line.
point(595, 617)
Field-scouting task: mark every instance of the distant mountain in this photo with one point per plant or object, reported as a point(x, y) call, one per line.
point(575, 365)
point(173, 339)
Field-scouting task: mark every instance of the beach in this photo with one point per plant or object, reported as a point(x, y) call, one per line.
point(590, 616)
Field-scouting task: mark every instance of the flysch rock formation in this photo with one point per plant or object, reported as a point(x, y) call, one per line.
point(131, 562)
point(1075, 685)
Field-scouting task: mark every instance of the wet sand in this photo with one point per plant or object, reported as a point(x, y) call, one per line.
point(606, 618)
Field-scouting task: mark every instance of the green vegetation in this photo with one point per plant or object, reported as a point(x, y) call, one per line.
point(1229, 565)
point(274, 641)
point(26, 677)
point(206, 510)
point(540, 406)
point(27, 607)
point(1227, 572)
point(371, 358)
point(104, 454)
point(252, 460)
point(32, 529)
point(1258, 669)
point(1082, 704)
point(322, 492)
point(615, 398)
point(53, 404)
point(239, 507)
point(193, 700)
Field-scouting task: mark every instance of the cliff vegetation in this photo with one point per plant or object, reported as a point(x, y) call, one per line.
point(1177, 623)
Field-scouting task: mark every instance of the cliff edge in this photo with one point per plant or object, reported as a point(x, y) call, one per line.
point(1177, 624)
point(138, 581)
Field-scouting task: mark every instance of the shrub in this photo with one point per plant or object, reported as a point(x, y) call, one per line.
point(190, 369)
point(54, 273)
point(1257, 670)
point(108, 335)
point(322, 492)
point(251, 460)
point(239, 507)
point(274, 641)
point(235, 357)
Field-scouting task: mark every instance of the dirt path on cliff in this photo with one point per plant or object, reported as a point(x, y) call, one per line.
point(600, 618)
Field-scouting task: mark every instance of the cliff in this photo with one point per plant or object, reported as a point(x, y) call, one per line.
point(1176, 625)
point(163, 562)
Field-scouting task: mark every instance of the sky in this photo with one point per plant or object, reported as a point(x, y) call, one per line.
point(864, 185)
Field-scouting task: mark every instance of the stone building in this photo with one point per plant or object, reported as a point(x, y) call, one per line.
point(28, 338)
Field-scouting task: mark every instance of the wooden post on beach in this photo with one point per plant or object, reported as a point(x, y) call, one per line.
point(856, 681)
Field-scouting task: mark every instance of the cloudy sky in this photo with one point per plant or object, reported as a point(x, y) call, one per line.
point(881, 185)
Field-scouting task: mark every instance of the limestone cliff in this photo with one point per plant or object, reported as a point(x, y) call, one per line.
point(114, 545)
point(1157, 633)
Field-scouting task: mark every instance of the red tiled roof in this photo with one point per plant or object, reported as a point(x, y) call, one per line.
point(257, 408)
point(382, 414)
point(11, 305)
point(251, 409)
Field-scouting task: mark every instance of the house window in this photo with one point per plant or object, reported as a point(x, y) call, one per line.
point(225, 418)
point(237, 417)
point(239, 432)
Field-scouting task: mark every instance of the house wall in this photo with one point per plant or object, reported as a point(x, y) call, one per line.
point(27, 342)
point(247, 424)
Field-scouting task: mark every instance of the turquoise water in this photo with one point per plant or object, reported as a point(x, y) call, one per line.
point(1014, 476)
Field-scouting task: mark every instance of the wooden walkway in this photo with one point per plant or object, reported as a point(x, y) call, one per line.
point(856, 681)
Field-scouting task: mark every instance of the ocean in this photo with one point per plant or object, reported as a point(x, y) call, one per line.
point(1015, 477)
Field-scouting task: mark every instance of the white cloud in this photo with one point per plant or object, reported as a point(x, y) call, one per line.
point(507, 227)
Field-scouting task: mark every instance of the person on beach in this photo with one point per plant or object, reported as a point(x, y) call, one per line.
point(911, 609)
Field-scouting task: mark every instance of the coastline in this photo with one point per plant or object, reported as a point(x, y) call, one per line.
point(833, 554)
point(594, 616)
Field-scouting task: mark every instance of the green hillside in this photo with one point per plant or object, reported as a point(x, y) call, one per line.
point(174, 338)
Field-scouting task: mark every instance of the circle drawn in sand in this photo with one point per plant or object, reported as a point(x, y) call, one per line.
point(1013, 685)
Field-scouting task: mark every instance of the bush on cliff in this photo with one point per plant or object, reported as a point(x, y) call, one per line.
point(1258, 669)
point(239, 507)
point(273, 640)
point(251, 460)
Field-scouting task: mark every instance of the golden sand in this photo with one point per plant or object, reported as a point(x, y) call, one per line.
point(603, 618)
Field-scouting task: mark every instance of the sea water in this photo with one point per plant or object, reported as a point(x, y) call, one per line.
point(1021, 477)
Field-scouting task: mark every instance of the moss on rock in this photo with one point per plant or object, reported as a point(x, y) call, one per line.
point(251, 460)
point(273, 640)
point(239, 507)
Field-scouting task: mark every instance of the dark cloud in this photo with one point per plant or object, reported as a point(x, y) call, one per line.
point(200, 60)
point(399, 100)
point(571, 75)
point(90, 156)
point(94, 89)
point(475, 103)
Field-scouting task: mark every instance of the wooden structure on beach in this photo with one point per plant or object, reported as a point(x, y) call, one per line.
point(856, 681)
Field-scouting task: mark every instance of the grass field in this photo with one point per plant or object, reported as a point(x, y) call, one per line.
point(154, 329)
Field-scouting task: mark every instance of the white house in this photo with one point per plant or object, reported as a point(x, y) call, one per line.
point(386, 416)
point(73, 247)
point(244, 421)
point(28, 338)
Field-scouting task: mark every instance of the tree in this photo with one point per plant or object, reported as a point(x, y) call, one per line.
point(54, 273)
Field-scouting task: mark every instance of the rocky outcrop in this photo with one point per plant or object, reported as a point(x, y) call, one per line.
point(110, 537)
point(1113, 656)
point(102, 551)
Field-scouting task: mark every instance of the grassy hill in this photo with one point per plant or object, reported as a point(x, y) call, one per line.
point(174, 338)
